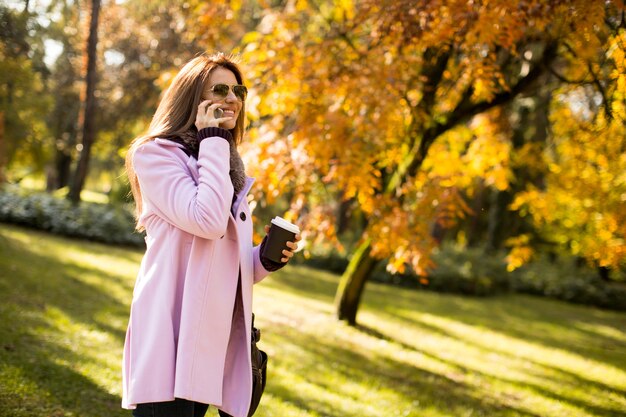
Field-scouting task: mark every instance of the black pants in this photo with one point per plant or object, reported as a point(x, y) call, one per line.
point(176, 408)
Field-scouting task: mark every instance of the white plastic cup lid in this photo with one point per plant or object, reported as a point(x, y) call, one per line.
point(280, 222)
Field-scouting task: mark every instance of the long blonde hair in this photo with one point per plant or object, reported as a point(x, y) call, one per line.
point(176, 113)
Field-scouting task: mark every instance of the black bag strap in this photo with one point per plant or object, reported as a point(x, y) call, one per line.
point(256, 333)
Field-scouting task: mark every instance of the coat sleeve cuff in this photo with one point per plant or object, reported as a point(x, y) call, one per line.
point(269, 265)
point(208, 132)
point(259, 270)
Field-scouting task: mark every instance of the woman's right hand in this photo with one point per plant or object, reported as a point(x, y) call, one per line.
point(205, 116)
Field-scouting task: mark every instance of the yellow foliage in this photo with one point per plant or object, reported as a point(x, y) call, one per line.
point(582, 205)
point(343, 93)
point(521, 251)
point(517, 257)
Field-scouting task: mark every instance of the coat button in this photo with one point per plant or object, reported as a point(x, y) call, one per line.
point(242, 216)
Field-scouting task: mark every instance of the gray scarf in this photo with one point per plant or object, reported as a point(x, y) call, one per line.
point(237, 172)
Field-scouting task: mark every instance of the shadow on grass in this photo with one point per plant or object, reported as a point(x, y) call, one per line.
point(569, 377)
point(45, 281)
point(61, 390)
point(518, 316)
point(543, 322)
point(420, 387)
point(47, 380)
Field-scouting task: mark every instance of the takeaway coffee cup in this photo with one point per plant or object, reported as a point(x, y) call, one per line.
point(281, 232)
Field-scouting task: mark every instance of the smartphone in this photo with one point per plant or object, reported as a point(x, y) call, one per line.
point(217, 113)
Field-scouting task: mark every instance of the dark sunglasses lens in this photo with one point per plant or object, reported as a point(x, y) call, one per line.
point(240, 91)
point(220, 90)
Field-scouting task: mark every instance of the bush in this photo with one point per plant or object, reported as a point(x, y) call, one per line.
point(458, 270)
point(564, 280)
point(467, 270)
point(98, 222)
point(474, 271)
point(332, 262)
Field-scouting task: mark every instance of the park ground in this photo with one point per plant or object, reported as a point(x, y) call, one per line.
point(64, 307)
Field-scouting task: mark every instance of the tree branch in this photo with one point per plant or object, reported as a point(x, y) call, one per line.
point(598, 84)
point(466, 110)
point(433, 75)
point(564, 79)
point(595, 81)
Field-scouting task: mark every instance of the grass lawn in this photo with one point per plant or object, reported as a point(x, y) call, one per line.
point(64, 307)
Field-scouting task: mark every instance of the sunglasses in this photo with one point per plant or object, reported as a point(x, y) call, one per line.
point(220, 91)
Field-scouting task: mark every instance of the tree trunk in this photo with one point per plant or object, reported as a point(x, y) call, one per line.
point(60, 171)
point(499, 224)
point(353, 282)
point(89, 129)
point(604, 273)
point(343, 216)
point(475, 227)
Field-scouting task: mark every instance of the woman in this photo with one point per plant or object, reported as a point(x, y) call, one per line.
point(188, 338)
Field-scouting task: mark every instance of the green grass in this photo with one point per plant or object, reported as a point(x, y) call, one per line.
point(64, 306)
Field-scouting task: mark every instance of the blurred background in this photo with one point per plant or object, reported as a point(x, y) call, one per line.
point(467, 147)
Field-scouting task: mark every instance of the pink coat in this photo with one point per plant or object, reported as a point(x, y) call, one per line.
point(179, 341)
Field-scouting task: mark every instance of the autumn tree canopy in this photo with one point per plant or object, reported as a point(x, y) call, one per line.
point(395, 106)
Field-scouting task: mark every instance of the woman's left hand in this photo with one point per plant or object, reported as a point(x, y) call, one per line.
point(288, 254)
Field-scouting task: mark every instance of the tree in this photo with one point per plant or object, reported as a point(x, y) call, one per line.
point(64, 85)
point(89, 106)
point(352, 97)
point(24, 100)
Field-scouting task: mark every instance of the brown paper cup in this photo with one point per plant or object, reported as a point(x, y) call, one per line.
point(281, 232)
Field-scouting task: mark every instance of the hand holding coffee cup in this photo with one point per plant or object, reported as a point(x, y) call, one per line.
point(282, 240)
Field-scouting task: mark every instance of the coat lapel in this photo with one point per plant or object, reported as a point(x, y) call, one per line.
point(243, 194)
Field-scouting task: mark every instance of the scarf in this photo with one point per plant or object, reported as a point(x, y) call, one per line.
point(237, 171)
